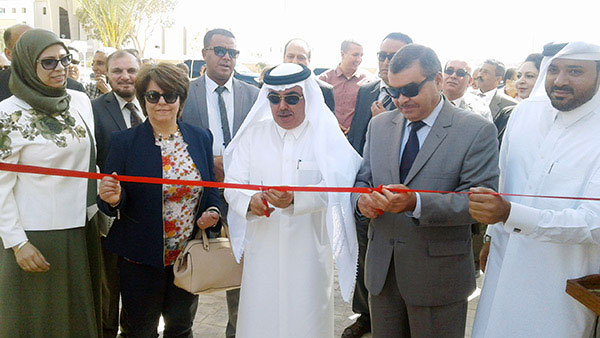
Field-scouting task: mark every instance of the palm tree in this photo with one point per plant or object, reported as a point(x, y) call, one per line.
point(111, 20)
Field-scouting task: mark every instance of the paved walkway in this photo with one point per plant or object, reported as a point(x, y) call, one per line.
point(211, 317)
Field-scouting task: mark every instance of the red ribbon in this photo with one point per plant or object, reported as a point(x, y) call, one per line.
point(29, 169)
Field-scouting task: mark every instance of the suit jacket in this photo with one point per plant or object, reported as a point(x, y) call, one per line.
point(432, 255)
point(5, 92)
point(195, 111)
point(367, 94)
point(499, 101)
point(327, 90)
point(108, 118)
point(137, 232)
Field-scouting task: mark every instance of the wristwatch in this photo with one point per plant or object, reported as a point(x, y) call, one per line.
point(487, 238)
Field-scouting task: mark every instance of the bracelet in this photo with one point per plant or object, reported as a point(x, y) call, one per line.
point(20, 246)
point(487, 238)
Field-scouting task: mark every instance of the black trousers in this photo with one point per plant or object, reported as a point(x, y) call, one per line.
point(360, 300)
point(147, 293)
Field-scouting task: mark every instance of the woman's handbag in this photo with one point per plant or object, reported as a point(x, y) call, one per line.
point(207, 265)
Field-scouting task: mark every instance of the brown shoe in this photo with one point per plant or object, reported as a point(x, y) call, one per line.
point(356, 330)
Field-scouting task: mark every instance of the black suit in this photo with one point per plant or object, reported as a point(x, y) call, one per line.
point(327, 90)
point(367, 94)
point(108, 118)
point(5, 92)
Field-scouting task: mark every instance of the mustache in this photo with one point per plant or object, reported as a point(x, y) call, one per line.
point(563, 88)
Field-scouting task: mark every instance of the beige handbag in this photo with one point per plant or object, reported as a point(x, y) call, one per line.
point(207, 265)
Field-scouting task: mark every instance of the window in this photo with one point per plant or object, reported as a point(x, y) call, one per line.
point(14, 10)
point(2, 11)
point(23, 10)
point(44, 11)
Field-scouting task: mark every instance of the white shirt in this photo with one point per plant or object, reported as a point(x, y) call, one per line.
point(544, 241)
point(126, 113)
point(475, 104)
point(382, 93)
point(214, 112)
point(422, 135)
point(487, 96)
point(39, 202)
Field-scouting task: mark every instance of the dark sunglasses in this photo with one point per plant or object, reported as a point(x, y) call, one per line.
point(220, 51)
point(459, 72)
point(75, 62)
point(291, 99)
point(154, 97)
point(383, 55)
point(50, 64)
point(410, 90)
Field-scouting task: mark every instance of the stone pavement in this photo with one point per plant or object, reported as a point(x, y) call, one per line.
point(211, 317)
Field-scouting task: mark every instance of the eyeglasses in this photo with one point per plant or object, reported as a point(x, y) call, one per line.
point(154, 97)
point(51, 64)
point(75, 62)
point(291, 99)
point(383, 55)
point(459, 72)
point(410, 90)
point(220, 51)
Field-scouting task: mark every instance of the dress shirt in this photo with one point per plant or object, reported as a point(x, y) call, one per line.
point(214, 112)
point(487, 96)
point(382, 93)
point(126, 113)
point(422, 135)
point(345, 91)
point(475, 104)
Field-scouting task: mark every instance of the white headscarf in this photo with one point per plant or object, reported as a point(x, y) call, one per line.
point(577, 50)
point(338, 163)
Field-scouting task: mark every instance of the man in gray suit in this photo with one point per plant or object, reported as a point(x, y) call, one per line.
point(371, 101)
point(489, 77)
point(219, 102)
point(419, 265)
point(298, 51)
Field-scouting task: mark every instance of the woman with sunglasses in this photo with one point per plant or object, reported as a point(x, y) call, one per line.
point(49, 262)
point(154, 222)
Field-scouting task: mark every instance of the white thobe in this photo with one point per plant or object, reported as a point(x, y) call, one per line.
point(544, 241)
point(287, 283)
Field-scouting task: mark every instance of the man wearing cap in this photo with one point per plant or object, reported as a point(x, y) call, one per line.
point(419, 264)
point(550, 147)
point(289, 239)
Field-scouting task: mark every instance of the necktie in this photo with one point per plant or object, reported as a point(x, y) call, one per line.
point(133, 116)
point(387, 102)
point(224, 120)
point(411, 149)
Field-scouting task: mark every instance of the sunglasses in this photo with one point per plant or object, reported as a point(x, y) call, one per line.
point(220, 51)
point(75, 62)
point(459, 72)
point(410, 90)
point(383, 55)
point(154, 97)
point(291, 99)
point(51, 64)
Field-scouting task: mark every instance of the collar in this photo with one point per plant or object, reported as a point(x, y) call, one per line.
point(489, 93)
point(122, 102)
point(429, 120)
point(339, 73)
point(296, 131)
point(382, 85)
point(212, 85)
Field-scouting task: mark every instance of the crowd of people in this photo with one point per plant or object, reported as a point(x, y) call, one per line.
point(83, 259)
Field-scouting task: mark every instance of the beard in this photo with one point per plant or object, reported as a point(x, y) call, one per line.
point(125, 93)
point(578, 99)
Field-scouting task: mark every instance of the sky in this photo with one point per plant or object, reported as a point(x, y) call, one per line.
point(471, 30)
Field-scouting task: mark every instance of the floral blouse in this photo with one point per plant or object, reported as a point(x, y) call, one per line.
point(179, 202)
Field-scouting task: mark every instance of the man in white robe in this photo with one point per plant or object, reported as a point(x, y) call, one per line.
point(291, 138)
point(551, 147)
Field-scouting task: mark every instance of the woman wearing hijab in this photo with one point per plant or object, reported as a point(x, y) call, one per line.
point(154, 222)
point(46, 269)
